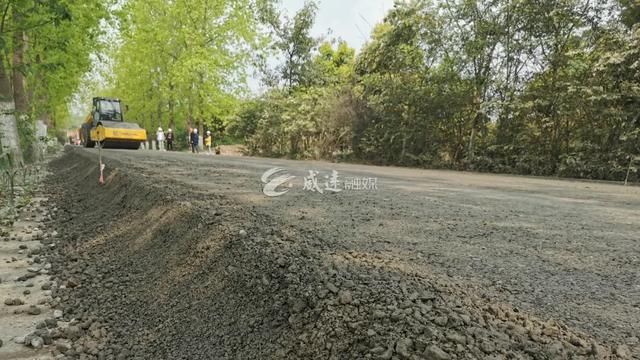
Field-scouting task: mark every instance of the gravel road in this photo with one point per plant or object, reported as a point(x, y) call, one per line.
point(558, 258)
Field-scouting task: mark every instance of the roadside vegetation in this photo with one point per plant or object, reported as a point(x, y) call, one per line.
point(508, 86)
point(46, 49)
point(524, 87)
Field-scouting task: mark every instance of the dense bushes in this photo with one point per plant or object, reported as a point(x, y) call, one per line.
point(552, 90)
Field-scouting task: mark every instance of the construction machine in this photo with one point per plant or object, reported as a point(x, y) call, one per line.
point(105, 124)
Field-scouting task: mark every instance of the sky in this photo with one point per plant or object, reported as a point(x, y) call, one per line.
point(349, 20)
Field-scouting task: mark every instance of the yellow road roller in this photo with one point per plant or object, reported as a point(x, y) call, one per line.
point(115, 133)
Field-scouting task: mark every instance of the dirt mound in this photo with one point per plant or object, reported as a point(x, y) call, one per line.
point(152, 270)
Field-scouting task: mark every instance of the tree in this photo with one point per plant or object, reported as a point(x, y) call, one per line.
point(530, 87)
point(183, 62)
point(476, 27)
point(292, 39)
point(46, 47)
point(630, 12)
point(332, 66)
point(414, 91)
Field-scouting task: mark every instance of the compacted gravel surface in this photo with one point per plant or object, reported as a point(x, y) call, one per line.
point(182, 256)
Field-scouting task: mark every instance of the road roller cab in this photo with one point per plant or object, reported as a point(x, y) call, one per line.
point(115, 133)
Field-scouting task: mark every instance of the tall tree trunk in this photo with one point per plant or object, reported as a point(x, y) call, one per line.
point(19, 91)
point(474, 129)
point(152, 132)
point(472, 138)
point(8, 126)
point(20, 97)
point(190, 123)
point(172, 114)
point(159, 113)
point(47, 119)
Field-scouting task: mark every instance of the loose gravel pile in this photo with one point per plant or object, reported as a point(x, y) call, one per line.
point(151, 270)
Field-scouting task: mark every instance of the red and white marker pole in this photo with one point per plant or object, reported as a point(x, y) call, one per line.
point(101, 180)
point(100, 134)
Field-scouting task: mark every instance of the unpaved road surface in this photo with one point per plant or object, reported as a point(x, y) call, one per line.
point(183, 256)
point(23, 279)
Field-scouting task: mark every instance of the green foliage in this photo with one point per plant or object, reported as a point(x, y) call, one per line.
point(182, 63)
point(292, 42)
point(332, 66)
point(28, 141)
point(312, 121)
point(630, 12)
point(181, 141)
point(48, 47)
point(60, 53)
point(305, 124)
point(526, 87)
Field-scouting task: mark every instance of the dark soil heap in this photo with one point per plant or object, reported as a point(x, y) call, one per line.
point(151, 270)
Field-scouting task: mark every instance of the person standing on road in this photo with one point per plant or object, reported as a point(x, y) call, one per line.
point(160, 139)
point(194, 141)
point(208, 139)
point(170, 139)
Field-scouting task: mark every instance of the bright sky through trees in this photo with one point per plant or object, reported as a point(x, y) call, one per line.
point(350, 20)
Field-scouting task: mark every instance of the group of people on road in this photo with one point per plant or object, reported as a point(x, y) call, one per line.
point(193, 140)
point(162, 139)
point(207, 139)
